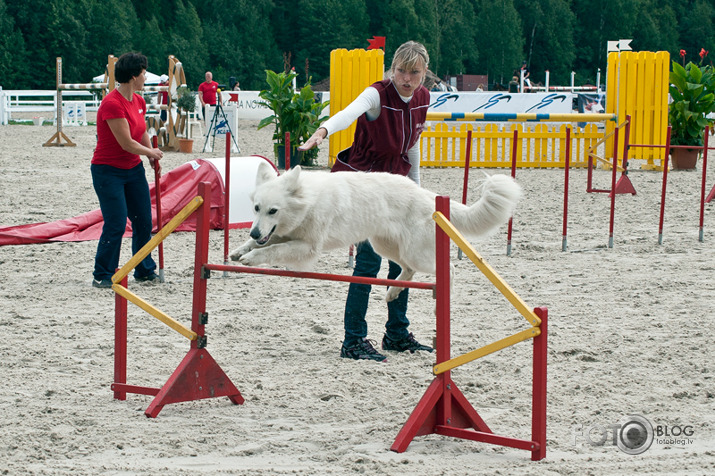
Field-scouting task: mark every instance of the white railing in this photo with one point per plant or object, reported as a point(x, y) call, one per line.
point(13, 101)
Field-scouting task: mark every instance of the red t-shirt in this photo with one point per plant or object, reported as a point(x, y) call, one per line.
point(108, 150)
point(208, 90)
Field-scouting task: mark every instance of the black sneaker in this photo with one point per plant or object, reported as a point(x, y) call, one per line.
point(362, 350)
point(408, 343)
point(149, 278)
point(102, 283)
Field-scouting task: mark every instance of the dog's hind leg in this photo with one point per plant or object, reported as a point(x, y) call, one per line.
point(394, 291)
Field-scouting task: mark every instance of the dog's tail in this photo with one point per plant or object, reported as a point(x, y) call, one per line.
point(500, 194)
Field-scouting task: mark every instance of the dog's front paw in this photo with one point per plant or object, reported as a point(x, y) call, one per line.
point(252, 258)
point(240, 251)
point(392, 293)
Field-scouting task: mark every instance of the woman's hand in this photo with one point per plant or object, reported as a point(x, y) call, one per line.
point(154, 159)
point(315, 140)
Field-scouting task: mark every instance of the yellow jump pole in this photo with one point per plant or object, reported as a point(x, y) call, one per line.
point(518, 117)
point(158, 238)
point(169, 321)
point(487, 270)
point(486, 350)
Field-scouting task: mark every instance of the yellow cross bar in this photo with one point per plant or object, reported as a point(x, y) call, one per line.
point(158, 238)
point(486, 350)
point(487, 270)
point(184, 331)
point(519, 117)
point(607, 162)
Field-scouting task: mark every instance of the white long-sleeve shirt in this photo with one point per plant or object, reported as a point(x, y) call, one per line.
point(368, 103)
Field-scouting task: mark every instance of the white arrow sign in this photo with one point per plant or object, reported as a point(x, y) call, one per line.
point(619, 45)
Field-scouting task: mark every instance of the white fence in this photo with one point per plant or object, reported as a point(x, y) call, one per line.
point(13, 101)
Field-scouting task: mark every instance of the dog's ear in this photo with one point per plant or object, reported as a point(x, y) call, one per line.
point(265, 173)
point(291, 178)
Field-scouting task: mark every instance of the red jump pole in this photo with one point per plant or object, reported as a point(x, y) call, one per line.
point(120, 342)
point(701, 236)
point(159, 221)
point(287, 151)
point(198, 375)
point(513, 175)
point(613, 188)
point(443, 409)
point(665, 183)
point(227, 200)
point(567, 165)
point(538, 398)
point(467, 159)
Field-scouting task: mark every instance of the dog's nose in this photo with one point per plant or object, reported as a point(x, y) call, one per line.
point(255, 234)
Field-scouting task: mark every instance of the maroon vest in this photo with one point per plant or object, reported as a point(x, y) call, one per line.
point(381, 145)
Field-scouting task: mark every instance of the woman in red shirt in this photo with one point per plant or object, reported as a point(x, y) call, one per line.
point(118, 174)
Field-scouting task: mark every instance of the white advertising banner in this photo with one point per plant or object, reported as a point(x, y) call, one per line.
point(501, 102)
point(247, 107)
point(223, 123)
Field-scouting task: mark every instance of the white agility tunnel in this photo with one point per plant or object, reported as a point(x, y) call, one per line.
point(242, 183)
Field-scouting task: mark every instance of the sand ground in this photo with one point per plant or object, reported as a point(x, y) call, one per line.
point(630, 333)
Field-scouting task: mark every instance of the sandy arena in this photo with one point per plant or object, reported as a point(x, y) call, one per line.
point(630, 334)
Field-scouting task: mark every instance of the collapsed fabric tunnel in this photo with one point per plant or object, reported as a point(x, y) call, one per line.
point(177, 188)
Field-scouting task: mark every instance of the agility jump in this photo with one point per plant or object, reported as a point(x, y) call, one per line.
point(176, 79)
point(443, 410)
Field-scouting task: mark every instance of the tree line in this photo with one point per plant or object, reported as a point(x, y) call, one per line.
point(243, 38)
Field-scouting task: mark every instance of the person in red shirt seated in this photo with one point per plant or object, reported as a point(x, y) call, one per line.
point(118, 173)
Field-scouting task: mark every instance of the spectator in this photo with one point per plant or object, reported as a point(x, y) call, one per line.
point(208, 91)
point(163, 96)
point(525, 74)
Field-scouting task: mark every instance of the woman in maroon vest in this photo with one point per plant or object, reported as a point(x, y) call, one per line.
point(390, 117)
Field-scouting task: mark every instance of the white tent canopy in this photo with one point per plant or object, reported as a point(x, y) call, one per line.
point(151, 79)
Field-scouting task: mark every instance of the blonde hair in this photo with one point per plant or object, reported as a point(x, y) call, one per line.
point(409, 55)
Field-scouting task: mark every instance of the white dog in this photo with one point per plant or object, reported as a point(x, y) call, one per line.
point(300, 215)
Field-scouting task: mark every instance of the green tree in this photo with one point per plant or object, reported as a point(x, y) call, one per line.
point(66, 36)
point(111, 30)
point(697, 27)
point(187, 38)
point(548, 32)
point(154, 44)
point(656, 27)
point(598, 23)
point(457, 52)
point(13, 64)
point(240, 41)
point(499, 40)
point(326, 25)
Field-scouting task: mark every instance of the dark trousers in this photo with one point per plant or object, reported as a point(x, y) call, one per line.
point(367, 263)
point(122, 194)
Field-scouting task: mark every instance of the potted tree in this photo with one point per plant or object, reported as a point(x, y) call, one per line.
point(296, 113)
point(692, 89)
point(185, 103)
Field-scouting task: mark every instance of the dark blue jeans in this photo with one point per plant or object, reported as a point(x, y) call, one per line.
point(122, 193)
point(367, 263)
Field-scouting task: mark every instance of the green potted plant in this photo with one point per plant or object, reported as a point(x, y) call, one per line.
point(296, 113)
point(692, 89)
point(185, 103)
